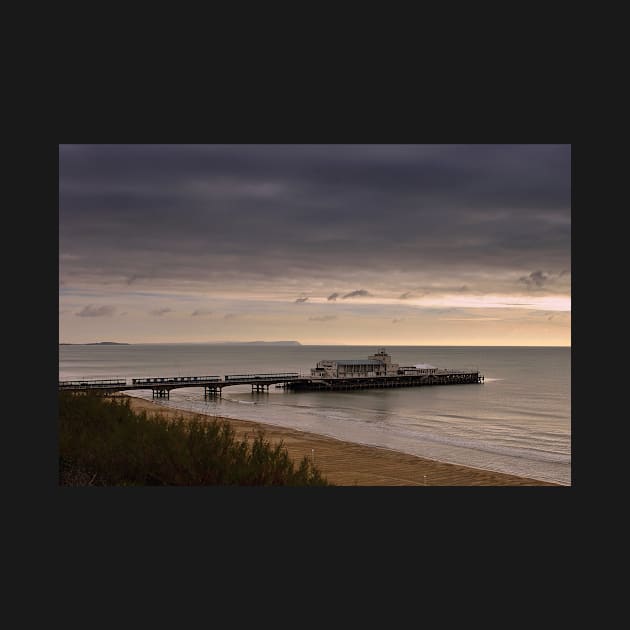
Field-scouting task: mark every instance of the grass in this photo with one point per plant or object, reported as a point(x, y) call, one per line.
point(111, 445)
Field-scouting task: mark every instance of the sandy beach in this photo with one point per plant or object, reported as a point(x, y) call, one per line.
point(348, 464)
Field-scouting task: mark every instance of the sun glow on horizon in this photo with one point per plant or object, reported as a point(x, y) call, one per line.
point(545, 303)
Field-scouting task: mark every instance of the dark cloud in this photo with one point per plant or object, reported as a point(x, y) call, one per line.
point(129, 280)
point(332, 297)
point(535, 279)
point(359, 293)
point(406, 296)
point(230, 316)
point(161, 311)
point(200, 313)
point(96, 311)
point(301, 300)
point(151, 213)
point(323, 318)
point(397, 321)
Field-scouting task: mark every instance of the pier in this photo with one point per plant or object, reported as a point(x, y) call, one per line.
point(213, 385)
point(376, 372)
point(455, 377)
point(162, 386)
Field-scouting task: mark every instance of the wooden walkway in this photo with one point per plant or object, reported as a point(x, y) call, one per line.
point(161, 386)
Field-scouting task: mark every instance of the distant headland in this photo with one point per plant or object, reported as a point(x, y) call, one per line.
point(97, 343)
point(255, 343)
point(216, 343)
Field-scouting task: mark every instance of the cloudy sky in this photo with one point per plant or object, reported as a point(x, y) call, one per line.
point(351, 244)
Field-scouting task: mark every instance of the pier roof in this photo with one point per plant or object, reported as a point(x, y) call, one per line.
point(358, 362)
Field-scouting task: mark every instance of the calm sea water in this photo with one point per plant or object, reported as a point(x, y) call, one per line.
point(518, 422)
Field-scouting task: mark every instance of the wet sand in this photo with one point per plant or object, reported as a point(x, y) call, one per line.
point(348, 464)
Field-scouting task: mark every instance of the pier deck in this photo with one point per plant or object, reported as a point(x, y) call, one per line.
point(380, 382)
point(292, 381)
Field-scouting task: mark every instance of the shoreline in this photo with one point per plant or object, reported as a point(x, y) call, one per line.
point(346, 463)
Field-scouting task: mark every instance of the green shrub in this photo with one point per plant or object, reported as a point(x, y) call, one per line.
point(109, 442)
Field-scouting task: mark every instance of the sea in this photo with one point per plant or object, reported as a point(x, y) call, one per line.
point(518, 421)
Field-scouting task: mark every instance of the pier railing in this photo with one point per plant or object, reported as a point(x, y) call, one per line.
point(92, 383)
point(467, 370)
point(247, 377)
point(158, 380)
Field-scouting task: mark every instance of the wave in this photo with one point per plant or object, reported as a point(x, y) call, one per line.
point(451, 438)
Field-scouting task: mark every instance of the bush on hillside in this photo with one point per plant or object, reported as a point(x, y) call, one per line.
point(105, 441)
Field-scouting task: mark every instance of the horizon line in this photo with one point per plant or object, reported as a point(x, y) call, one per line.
point(391, 345)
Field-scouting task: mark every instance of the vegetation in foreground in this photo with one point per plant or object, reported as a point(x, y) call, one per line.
point(104, 442)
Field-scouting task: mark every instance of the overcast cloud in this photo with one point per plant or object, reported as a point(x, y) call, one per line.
point(147, 212)
point(96, 311)
point(269, 222)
